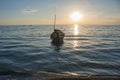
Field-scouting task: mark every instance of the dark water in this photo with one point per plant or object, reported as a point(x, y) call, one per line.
point(86, 49)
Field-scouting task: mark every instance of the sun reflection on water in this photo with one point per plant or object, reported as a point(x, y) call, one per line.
point(75, 44)
point(76, 29)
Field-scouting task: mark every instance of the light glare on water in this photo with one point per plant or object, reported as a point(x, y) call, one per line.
point(75, 29)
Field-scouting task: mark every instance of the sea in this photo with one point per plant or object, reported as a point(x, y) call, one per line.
point(88, 49)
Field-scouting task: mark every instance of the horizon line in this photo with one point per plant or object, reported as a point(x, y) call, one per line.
point(51, 24)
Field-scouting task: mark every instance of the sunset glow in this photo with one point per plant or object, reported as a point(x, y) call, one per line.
point(76, 16)
point(35, 12)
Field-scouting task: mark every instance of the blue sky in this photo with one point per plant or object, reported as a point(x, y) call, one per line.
point(15, 12)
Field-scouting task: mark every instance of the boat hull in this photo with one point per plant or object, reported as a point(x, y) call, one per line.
point(57, 37)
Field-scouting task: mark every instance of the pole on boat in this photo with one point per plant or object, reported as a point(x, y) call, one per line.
point(54, 21)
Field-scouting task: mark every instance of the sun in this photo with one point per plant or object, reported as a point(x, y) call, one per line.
point(76, 16)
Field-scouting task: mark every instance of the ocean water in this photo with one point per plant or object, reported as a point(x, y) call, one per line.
point(92, 49)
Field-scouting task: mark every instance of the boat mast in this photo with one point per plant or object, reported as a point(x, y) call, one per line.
point(54, 21)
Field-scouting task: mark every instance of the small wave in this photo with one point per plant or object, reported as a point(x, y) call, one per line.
point(58, 76)
point(106, 50)
point(78, 36)
point(75, 38)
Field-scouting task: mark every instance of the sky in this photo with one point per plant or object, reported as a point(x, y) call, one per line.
point(25, 12)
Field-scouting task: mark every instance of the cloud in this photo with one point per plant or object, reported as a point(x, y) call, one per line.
point(29, 11)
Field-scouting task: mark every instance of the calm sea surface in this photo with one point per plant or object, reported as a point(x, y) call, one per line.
point(86, 49)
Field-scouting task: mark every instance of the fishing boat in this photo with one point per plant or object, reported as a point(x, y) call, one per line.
point(57, 35)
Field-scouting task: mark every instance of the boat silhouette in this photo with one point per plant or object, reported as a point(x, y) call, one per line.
point(57, 35)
